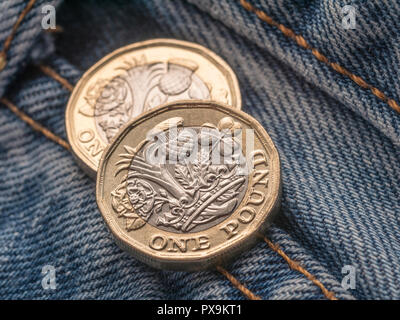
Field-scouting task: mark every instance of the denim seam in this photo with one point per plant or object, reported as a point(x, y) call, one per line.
point(235, 282)
point(296, 266)
point(34, 124)
point(301, 41)
point(9, 39)
point(53, 74)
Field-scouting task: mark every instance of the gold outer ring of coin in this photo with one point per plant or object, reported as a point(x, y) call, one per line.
point(219, 242)
point(83, 129)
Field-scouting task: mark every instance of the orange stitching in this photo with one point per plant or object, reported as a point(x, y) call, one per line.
point(35, 125)
point(53, 74)
point(250, 295)
point(7, 42)
point(295, 266)
point(321, 57)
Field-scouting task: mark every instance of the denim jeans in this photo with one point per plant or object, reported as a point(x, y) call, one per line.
point(325, 90)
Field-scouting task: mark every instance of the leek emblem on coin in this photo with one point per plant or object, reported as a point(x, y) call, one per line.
point(135, 79)
point(189, 184)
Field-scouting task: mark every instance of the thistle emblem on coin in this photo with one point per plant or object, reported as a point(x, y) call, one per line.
point(177, 182)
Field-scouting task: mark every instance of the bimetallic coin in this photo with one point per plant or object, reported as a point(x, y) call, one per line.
point(189, 185)
point(135, 79)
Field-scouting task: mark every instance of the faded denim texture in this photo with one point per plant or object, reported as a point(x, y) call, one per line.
point(339, 148)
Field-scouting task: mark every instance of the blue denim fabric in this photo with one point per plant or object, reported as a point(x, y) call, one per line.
point(339, 147)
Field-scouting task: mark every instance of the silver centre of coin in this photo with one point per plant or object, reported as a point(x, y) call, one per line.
point(194, 193)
